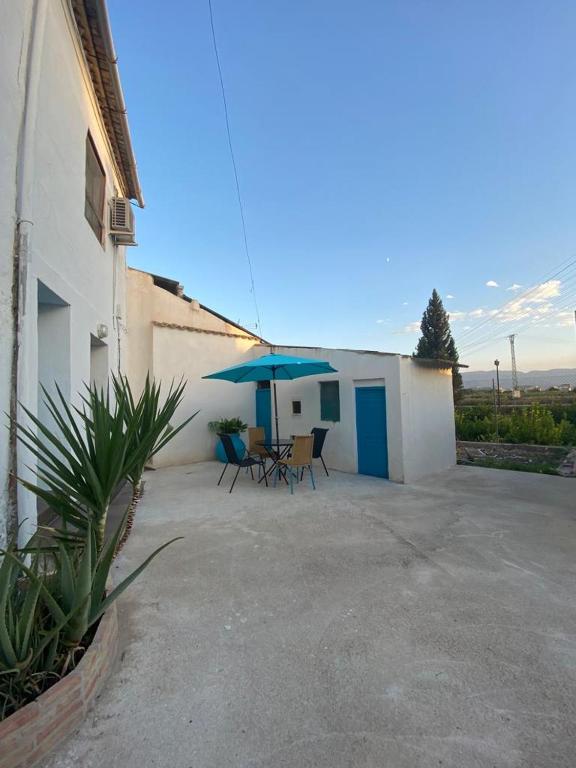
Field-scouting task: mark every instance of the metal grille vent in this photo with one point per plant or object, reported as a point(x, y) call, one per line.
point(122, 220)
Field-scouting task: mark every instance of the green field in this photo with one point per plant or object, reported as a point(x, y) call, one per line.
point(542, 418)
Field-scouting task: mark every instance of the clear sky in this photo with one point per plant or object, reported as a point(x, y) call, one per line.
point(384, 148)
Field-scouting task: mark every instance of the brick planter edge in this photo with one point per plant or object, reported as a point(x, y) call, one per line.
point(31, 733)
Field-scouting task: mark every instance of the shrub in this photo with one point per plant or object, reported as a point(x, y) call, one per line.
point(227, 426)
point(535, 424)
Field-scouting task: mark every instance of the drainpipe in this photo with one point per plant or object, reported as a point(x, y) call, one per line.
point(23, 237)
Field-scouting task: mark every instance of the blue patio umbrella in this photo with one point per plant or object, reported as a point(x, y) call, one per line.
point(273, 368)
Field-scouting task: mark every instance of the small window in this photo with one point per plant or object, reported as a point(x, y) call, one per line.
point(296, 407)
point(95, 190)
point(330, 401)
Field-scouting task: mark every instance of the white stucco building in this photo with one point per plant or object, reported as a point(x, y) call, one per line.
point(65, 154)
point(387, 414)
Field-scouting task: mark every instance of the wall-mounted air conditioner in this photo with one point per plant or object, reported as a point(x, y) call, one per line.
point(122, 228)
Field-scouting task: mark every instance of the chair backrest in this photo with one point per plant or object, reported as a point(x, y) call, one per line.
point(319, 437)
point(302, 450)
point(229, 449)
point(254, 435)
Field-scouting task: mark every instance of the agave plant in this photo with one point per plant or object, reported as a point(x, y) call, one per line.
point(82, 462)
point(94, 448)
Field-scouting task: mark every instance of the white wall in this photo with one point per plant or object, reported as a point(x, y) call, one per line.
point(149, 305)
point(15, 20)
point(193, 355)
point(427, 420)
point(65, 254)
point(171, 338)
point(54, 361)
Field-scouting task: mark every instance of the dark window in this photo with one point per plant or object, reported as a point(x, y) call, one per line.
point(330, 401)
point(95, 189)
point(296, 407)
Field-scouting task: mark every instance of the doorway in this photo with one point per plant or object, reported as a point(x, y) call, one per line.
point(371, 431)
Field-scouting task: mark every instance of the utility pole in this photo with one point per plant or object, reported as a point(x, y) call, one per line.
point(497, 363)
point(495, 410)
point(515, 387)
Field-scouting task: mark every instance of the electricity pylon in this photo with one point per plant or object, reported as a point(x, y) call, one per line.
point(515, 387)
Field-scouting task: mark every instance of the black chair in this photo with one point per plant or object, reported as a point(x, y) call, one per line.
point(319, 437)
point(232, 458)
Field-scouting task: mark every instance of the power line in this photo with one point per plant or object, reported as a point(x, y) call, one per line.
point(469, 336)
point(524, 296)
point(555, 305)
point(233, 158)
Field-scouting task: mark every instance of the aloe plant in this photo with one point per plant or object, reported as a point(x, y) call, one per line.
point(29, 636)
point(48, 607)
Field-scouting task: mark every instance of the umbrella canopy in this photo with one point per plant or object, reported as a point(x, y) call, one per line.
point(273, 368)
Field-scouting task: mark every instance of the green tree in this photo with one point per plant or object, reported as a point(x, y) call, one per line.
point(436, 341)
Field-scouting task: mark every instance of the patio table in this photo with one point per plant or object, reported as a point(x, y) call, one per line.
point(276, 449)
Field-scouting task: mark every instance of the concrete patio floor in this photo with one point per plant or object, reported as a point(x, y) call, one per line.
point(364, 625)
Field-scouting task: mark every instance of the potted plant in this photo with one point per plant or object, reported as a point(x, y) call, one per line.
point(231, 427)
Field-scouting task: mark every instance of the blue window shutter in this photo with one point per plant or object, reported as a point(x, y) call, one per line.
point(330, 401)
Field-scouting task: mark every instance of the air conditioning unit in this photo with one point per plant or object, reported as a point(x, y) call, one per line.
point(122, 228)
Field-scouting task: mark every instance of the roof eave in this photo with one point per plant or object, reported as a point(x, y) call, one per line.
point(95, 33)
point(436, 362)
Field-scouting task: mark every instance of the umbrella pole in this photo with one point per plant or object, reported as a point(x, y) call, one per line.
point(276, 412)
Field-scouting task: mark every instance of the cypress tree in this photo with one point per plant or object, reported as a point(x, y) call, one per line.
point(436, 341)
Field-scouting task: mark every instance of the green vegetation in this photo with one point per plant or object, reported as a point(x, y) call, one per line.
point(152, 422)
point(529, 397)
point(53, 592)
point(541, 425)
point(436, 341)
point(227, 426)
point(541, 468)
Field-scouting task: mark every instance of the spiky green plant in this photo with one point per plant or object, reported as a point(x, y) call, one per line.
point(52, 595)
point(94, 448)
point(148, 423)
point(29, 635)
point(81, 463)
point(48, 607)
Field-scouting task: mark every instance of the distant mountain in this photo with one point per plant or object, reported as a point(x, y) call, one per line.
point(552, 378)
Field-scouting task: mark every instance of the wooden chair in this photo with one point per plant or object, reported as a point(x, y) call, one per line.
point(299, 460)
point(254, 435)
point(233, 458)
point(258, 451)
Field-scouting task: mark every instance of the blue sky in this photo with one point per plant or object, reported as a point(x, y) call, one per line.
point(384, 148)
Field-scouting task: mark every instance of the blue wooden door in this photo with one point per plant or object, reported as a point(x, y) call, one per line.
point(264, 411)
point(371, 436)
